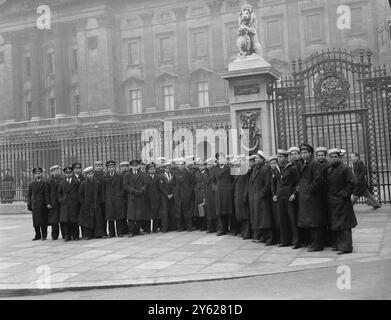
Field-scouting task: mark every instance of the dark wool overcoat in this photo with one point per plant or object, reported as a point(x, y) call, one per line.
point(52, 199)
point(242, 211)
point(311, 212)
point(36, 201)
point(90, 195)
point(361, 183)
point(201, 180)
point(69, 200)
point(135, 186)
point(113, 188)
point(184, 193)
point(153, 196)
point(340, 186)
point(224, 186)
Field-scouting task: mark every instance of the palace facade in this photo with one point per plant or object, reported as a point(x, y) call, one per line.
point(117, 57)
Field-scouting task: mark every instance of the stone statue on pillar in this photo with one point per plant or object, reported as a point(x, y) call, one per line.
point(248, 42)
point(249, 76)
point(250, 50)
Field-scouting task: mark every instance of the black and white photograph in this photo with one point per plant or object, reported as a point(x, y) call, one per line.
point(193, 155)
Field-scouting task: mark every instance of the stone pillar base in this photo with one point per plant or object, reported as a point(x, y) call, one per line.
point(248, 79)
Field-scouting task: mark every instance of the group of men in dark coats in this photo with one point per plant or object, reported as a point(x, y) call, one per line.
point(296, 198)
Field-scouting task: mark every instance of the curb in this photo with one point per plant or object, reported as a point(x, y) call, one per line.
point(4, 293)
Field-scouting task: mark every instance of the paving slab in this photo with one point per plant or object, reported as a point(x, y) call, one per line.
point(170, 257)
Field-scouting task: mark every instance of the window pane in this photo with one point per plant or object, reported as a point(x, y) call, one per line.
point(200, 46)
point(168, 97)
point(28, 110)
point(165, 49)
point(314, 27)
point(76, 99)
point(203, 94)
point(50, 63)
point(357, 20)
point(233, 37)
point(135, 101)
point(75, 64)
point(52, 107)
point(133, 53)
point(27, 65)
point(274, 33)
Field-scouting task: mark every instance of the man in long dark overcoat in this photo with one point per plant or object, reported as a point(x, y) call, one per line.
point(242, 211)
point(99, 176)
point(201, 179)
point(340, 186)
point(311, 213)
point(273, 188)
point(287, 179)
point(167, 207)
point(135, 186)
point(113, 188)
point(91, 219)
point(224, 186)
point(211, 224)
point(184, 197)
point(361, 184)
point(321, 158)
point(36, 203)
point(124, 168)
point(153, 197)
point(266, 219)
point(69, 204)
point(52, 202)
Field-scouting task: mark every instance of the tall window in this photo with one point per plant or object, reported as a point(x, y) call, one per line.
point(74, 59)
point(29, 110)
point(52, 107)
point(27, 66)
point(357, 20)
point(274, 37)
point(168, 97)
point(50, 63)
point(133, 53)
point(135, 101)
point(76, 103)
point(200, 46)
point(203, 94)
point(314, 27)
point(232, 38)
point(165, 49)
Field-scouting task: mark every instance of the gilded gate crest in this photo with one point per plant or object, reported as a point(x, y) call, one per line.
point(331, 90)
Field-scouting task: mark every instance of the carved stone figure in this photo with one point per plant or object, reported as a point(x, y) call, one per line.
point(248, 42)
point(251, 134)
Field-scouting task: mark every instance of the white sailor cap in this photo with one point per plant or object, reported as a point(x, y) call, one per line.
point(88, 170)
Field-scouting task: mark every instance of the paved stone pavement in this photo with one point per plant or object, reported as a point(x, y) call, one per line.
point(166, 258)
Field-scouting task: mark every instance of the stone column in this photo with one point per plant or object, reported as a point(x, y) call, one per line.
point(149, 61)
point(183, 88)
point(83, 60)
point(37, 96)
point(61, 65)
point(12, 106)
point(217, 42)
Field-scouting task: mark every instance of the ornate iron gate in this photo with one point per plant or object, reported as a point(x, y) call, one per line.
point(337, 99)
